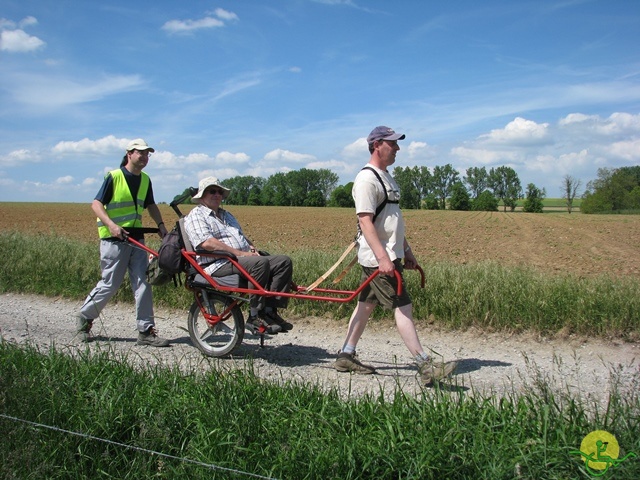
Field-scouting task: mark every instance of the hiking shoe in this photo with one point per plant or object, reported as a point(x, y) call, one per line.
point(272, 317)
point(431, 371)
point(257, 325)
point(84, 328)
point(348, 362)
point(151, 338)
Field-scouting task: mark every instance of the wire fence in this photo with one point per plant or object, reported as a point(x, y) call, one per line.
point(139, 449)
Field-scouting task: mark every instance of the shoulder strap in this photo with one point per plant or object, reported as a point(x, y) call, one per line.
point(384, 189)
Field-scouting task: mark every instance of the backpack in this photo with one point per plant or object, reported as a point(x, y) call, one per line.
point(155, 275)
point(170, 257)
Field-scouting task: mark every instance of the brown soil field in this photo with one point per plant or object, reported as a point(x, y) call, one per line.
point(558, 243)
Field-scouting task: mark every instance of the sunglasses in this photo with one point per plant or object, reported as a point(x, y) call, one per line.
point(213, 191)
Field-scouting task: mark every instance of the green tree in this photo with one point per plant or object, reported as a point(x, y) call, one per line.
point(485, 202)
point(477, 179)
point(314, 198)
point(241, 187)
point(255, 196)
point(443, 180)
point(632, 199)
point(533, 201)
point(410, 193)
point(276, 190)
point(341, 196)
point(460, 199)
point(423, 181)
point(185, 194)
point(431, 202)
point(304, 181)
point(611, 191)
point(326, 181)
point(506, 186)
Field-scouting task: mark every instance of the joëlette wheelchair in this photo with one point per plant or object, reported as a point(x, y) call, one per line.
point(216, 323)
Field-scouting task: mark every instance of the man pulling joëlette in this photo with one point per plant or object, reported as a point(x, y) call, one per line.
point(383, 246)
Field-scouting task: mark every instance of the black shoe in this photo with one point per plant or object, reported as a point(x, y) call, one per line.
point(257, 325)
point(273, 318)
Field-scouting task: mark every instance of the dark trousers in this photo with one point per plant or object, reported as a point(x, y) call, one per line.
point(272, 272)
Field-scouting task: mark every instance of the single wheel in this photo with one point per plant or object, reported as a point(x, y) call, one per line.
point(223, 336)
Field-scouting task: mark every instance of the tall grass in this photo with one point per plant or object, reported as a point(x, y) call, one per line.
point(232, 420)
point(486, 294)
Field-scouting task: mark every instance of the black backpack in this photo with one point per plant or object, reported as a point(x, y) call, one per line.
point(170, 257)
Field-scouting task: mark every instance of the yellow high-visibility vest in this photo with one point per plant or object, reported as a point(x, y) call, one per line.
point(122, 209)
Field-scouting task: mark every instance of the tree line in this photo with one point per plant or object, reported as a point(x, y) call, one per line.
point(439, 188)
point(421, 187)
point(615, 190)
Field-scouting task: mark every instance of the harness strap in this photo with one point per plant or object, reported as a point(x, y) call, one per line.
point(384, 189)
point(323, 277)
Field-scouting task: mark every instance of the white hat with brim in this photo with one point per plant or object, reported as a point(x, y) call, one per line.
point(139, 144)
point(210, 182)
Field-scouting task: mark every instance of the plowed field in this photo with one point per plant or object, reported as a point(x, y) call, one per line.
point(553, 242)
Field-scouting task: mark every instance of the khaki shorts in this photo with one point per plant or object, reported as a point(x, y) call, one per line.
point(383, 289)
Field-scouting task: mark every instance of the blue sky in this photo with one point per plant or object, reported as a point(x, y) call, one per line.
point(230, 88)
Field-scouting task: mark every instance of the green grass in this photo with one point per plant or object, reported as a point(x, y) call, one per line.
point(485, 295)
point(232, 420)
point(167, 423)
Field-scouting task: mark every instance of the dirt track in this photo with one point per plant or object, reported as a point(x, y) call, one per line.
point(487, 362)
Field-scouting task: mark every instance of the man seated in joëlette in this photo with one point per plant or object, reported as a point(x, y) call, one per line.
point(210, 227)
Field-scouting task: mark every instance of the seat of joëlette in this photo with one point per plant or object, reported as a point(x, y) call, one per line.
point(234, 280)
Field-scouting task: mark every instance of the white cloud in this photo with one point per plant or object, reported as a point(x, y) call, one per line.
point(187, 26)
point(617, 125)
point(89, 182)
point(232, 158)
point(28, 21)
point(568, 161)
point(220, 173)
point(622, 123)
point(168, 160)
point(66, 180)
point(628, 150)
point(420, 150)
point(474, 156)
point(333, 165)
point(225, 15)
point(357, 150)
point(520, 131)
point(182, 26)
point(18, 41)
point(279, 155)
point(45, 91)
point(577, 118)
point(234, 86)
point(103, 145)
point(19, 157)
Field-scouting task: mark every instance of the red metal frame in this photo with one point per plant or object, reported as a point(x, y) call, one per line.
point(341, 296)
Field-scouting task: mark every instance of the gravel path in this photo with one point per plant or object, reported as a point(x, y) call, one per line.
point(488, 362)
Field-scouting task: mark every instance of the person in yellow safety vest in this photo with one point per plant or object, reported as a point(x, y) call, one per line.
point(124, 194)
